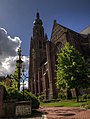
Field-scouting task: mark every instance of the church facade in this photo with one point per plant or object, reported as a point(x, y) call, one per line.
point(43, 55)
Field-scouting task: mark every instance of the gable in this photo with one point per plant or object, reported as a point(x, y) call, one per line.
point(57, 32)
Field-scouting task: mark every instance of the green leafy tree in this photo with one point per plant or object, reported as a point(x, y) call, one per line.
point(15, 78)
point(2, 84)
point(72, 71)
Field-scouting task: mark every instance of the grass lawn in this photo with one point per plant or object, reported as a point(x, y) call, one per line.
point(66, 103)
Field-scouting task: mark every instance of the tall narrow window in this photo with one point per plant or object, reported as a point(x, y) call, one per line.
point(40, 44)
point(58, 47)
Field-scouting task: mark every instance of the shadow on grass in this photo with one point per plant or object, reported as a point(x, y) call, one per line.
point(82, 101)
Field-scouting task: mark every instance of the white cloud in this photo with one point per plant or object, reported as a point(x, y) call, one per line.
point(8, 52)
point(25, 60)
point(8, 65)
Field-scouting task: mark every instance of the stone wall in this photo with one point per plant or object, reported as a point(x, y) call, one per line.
point(9, 108)
point(16, 109)
point(13, 108)
point(2, 90)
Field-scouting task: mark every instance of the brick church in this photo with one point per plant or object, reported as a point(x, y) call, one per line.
point(43, 55)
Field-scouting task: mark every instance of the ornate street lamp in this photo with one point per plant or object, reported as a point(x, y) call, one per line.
point(24, 77)
point(19, 66)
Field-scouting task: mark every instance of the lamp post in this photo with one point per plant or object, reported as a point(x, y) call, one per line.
point(19, 66)
point(23, 82)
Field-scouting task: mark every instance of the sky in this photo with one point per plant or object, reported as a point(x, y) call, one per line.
point(16, 24)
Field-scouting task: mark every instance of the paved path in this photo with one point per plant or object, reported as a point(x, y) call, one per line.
point(65, 113)
point(59, 113)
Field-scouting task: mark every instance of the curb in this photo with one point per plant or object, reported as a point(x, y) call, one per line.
point(45, 117)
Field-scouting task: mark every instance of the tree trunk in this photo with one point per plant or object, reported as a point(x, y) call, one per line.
point(77, 94)
point(69, 94)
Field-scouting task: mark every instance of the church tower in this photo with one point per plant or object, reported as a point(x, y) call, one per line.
point(37, 53)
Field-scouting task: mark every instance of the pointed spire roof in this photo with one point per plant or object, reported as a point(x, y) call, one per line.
point(38, 21)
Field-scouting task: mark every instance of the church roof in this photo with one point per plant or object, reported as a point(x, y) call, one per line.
point(58, 28)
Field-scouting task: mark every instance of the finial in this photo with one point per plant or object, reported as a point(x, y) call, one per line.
point(55, 21)
point(37, 15)
point(19, 51)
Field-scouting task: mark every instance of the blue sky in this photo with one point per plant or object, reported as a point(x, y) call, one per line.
point(17, 16)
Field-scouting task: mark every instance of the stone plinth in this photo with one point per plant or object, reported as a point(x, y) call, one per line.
point(23, 108)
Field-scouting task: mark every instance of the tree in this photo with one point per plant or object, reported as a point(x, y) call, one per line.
point(15, 78)
point(72, 71)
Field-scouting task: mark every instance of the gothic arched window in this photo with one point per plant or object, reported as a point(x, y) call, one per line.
point(40, 44)
point(58, 47)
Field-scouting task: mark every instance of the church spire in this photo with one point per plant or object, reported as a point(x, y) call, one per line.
point(38, 21)
point(38, 29)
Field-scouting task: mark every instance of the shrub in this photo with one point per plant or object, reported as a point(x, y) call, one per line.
point(51, 100)
point(35, 101)
point(55, 100)
point(29, 96)
point(88, 107)
point(84, 96)
point(3, 84)
point(41, 97)
point(88, 96)
point(46, 101)
point(13, 93)
point(73, 97)
point(61, 95)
